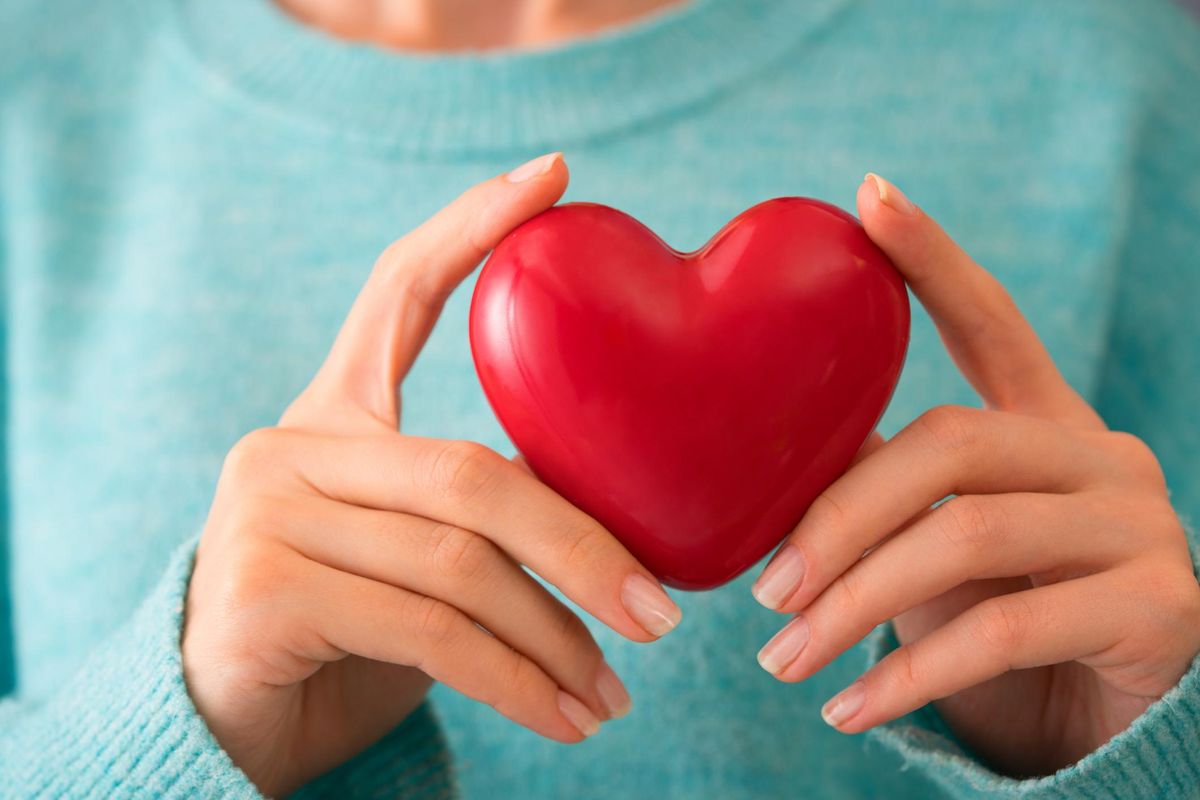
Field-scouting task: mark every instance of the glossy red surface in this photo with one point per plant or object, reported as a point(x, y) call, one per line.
point(695, 404)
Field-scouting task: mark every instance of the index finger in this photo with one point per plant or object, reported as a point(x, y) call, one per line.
point(989, 339)
point(355, 388)
point(472, 487)
point(948, 451)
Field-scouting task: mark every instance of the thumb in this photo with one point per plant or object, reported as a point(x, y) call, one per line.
point(994, 346)
point(355, 389)
point(873, 443)
point(520, 461)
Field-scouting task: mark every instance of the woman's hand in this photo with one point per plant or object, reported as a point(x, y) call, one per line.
point(344, 566)
point(1048, 602)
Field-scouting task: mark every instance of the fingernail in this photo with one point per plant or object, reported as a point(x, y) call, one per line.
point(531, 169)
point(890, 196)
point(845, 704)
point(781, 578)
point(784, 648)
point(578, 714)
point(612, 692)
point(649, 605)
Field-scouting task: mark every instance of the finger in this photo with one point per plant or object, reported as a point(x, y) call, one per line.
point(873, 443)
point(469, 572)
point(520, 461)
point(354, 615)
point(355, 389)
point(967, 538)
point(1033, 628)
point(989, 339)
point(470, 486)
point(948, 450)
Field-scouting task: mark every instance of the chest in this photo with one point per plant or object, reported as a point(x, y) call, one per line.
point(164, 297)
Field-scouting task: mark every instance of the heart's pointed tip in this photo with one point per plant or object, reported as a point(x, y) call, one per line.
point(696, 583)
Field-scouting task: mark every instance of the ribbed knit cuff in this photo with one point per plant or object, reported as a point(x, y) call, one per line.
point(125, 726)
point(1155, 757)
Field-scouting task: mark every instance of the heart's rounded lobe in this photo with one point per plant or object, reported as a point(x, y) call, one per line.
point(695, 404)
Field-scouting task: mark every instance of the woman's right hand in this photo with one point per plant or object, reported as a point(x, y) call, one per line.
point(345, 566)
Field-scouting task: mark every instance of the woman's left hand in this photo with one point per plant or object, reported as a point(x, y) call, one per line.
point(1045, 605)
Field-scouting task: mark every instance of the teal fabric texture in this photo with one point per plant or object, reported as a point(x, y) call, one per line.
point(192, 192)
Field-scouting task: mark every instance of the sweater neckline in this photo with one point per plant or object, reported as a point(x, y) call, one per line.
point(491, 102)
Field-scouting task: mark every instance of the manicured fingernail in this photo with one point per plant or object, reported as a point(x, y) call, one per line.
point(649, 605)
point(531, 169)
point(781, 578)
point(578, 714)
point(612, 692)
point(890, 196)
point(784, 648)
point(845, 704)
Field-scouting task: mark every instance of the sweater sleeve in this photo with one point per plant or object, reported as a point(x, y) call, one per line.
point(1155, 756)
point(1150, 386)
point(124, 727)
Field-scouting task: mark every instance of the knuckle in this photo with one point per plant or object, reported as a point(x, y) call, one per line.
point(474, 234)
point(458, 554)
point(827, 512)
point(523, 676)
point(1135, 456)
point(527, 678)
point(253, 576)
point(1141, 521)
point(415, 289)
point(584, 549)
point(519, 679)
point(572, 631)
point(1173, 597)
point(1162, 519)
point(434, 621)
point(253, 454)
point(950, 428)
point(402, 270)
point(908, 674)
point(968, 522)
point(392, 263)
point(1003, 624)
point(252, 515)
point(464, 469)
point(848, 592)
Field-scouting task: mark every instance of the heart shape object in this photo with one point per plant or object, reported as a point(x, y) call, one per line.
point(695, 404)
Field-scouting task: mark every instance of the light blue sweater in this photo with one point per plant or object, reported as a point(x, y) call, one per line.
point(192, 191)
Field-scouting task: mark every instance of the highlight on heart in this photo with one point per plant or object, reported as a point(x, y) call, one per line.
point(637, 399)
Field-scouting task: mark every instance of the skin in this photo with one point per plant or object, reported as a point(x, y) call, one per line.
point(1051, 599)
point(345, 566)
point(449, 25)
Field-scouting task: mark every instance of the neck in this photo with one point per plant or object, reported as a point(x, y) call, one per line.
point(466, 24)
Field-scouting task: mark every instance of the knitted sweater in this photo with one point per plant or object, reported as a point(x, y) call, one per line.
point(192, 191)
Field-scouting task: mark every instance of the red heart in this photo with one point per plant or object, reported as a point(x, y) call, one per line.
point(693, 403)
